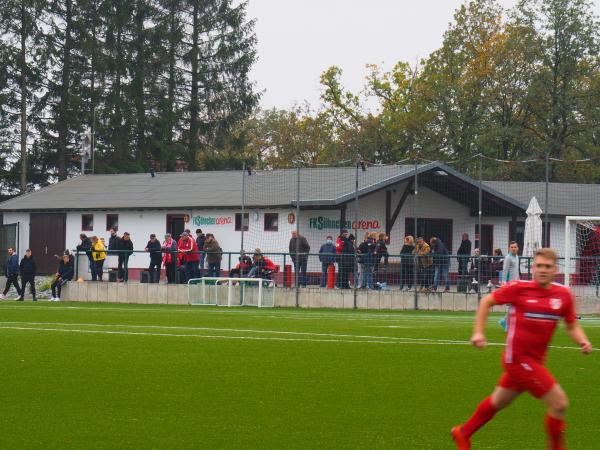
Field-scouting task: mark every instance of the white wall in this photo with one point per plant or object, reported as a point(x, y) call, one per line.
point(371, 209)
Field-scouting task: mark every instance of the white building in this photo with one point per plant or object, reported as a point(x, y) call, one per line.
point(51, 219)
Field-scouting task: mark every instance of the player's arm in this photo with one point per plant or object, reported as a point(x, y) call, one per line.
point(478, 338)
point(576, 333)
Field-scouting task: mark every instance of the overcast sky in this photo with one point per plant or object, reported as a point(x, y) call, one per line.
point(299, 39)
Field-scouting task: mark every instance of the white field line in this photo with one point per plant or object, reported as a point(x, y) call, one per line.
point(300, 315)
point(315, 337)
point(285, 314)
point(206, 336)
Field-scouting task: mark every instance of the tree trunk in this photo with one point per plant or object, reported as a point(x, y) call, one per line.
point(23, 102)
point(171, 85)
point(138, 84)
point(63, 126)
point(93, 99)
point(194, 102)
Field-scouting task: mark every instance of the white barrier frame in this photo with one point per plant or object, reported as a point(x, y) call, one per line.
point(230, 280)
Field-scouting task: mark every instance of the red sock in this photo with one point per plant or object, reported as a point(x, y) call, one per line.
point(555, 428)
point(482, 415)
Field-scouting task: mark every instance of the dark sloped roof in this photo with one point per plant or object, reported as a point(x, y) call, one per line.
point(204, 189)
point(564, 199)
point(319, 187)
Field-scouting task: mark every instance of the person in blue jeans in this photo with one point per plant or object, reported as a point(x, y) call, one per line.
point(368, 258)
point(200, 238)
point(327, 257)
point(441, 263)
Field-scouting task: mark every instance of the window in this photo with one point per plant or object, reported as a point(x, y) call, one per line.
point(238, 221)
point(87, 222)
point(271, 222)
point(112, 221)
point(518, 234)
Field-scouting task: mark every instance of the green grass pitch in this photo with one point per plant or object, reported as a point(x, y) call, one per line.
point(100, 376)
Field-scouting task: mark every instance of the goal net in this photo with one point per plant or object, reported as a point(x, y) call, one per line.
point(231, 292)
point(582, 253)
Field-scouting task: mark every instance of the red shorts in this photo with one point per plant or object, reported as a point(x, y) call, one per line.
point(527, 375)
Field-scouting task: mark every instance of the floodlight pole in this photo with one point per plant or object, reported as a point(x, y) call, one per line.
point(479, 222)
point(546, 239)
point(243, 202)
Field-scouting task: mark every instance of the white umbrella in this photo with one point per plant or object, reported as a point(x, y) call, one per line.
point(532, 240)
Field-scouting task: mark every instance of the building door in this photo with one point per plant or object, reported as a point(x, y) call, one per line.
point(175, 225)
point(428, 228)
point(487, 239)
point(47, 235)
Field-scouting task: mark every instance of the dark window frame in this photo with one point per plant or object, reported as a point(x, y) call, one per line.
point(268, 218)
point(512, 236)
point(110, 223)
point(238, 221)
point(90, 225)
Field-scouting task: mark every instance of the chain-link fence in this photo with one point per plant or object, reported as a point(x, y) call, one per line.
point(414, 229)
point(422, 226)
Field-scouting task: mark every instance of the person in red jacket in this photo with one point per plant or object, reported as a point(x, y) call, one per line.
point(262, 266)
point(188, 255)
point(170, 260)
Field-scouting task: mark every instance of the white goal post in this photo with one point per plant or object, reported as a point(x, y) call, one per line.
point(572, 245)
point(231, 291)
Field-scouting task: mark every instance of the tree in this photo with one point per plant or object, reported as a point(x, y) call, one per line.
point(566, 53)
point(219, 52)
point(24, 60)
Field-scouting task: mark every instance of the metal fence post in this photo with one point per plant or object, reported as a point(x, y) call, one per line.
point(416, 192)
point(76, 265)
point(546, 239)
point(243, 203)
point(355, 265)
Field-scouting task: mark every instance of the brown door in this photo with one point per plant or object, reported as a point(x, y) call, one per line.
point(175, 225)
point(485, 242)
point(47, 235)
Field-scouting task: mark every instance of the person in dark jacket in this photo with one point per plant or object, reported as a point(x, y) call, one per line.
point(28, 269)
point(327, 258)
point(407, 263)
point(381, 251)
point(464, 253)
point(64, 274)
point(85, 247)
point(125, 251)
point(214, 255)
point(200, 238)
point(345, 259)
point(153, 246)
point(12, 272)
point(441, 263)
point(113, 242)
point(299, 250)
point(367, 258)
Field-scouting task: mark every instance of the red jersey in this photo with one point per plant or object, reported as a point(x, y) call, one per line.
point(533, 316)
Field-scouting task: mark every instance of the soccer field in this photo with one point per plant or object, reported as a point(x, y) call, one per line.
point(90, 376)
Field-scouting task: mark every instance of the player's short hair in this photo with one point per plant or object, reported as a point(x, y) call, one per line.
point(547, 253)
point(513, 243)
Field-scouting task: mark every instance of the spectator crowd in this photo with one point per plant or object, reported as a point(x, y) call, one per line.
point(423, 265)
